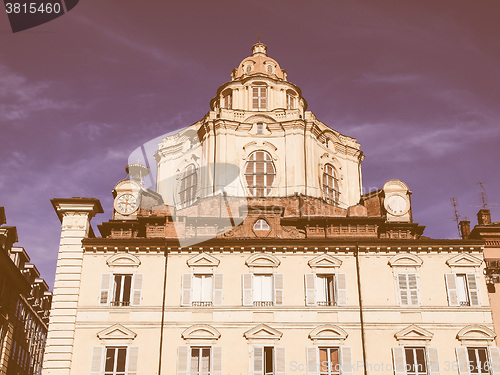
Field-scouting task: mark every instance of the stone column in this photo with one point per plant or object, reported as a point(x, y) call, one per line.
point(75, 215)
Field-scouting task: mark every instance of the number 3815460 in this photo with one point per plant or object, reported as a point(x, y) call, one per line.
point(32, 8)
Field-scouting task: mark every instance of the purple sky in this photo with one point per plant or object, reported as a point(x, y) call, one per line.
point(416, 82)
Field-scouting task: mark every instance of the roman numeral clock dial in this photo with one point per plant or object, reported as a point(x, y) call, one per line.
point(126, 204)
point(397, 205)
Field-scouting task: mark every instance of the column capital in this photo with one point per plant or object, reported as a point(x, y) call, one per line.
point(62, 206)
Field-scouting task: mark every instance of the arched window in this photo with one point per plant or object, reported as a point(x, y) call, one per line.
point(189, 184)
point(260, 173)
point(330, 184)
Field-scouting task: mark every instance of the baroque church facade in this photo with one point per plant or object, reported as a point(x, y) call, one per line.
point(255, 251)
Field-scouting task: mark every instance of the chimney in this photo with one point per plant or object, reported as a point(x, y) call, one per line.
point(484, 217)
point(464, 229)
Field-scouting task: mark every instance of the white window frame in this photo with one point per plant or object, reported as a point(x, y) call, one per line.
point(184, 355)
point(249, 294)
point(473, 294)
point(291, 101)
point(258, 360)
point(339, 291)
point(202, 301)
point(259, 97)
point(408, 289)
point(400, 361)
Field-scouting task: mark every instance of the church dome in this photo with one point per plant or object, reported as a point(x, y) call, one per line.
point(259, 63)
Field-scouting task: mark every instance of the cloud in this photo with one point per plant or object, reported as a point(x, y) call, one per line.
point(20, 97)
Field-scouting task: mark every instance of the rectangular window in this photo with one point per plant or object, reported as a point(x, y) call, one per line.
point(290, 101)
point(116, 358)
point(259, 97)
point(329, 361)
point(202, 290)
point(262, 290)
point(227, 101)
point(478, 361)
point(121, 290)
point(462, 290)
point(260, 127)
point(415, 361)
point(200, 361)
point(268, 360)
point(325, 290)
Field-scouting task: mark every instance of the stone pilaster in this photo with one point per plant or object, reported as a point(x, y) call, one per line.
point(75, 215)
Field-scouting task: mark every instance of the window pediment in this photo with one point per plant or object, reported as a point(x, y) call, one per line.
point(116, 332)
point(203, 260)
point(201, 332)
point(328, 334)
point(476, 333)
point(324, 262)
point(263, 260)
point(123, 260)
point(405, 260)
point(414, 333)
point(263, 332)
point(464, 260)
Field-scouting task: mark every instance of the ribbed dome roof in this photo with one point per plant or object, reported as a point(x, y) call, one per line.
point(259, 63)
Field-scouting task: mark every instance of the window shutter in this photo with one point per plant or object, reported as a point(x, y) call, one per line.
point(463, 361)
point(341, 284)
point(309, 283)
point(216, 360)
point(137, 290)
point(312, 360)
point(247, 289)
point(96, 362)
point(398, 355)
point(183, 360)
point(106, 288)
point(473, 290)
point(278, 288)
point(403, 289)
point(345, 360)
point(494, 353)
point(451, 286)
point(187, 280)
point(218, 283)
point(257, 360)
point(413, 289)
point(132, 358)
point(280, 363)
point(432, 361)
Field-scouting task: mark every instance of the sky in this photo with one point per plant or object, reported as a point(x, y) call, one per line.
point(416, 82)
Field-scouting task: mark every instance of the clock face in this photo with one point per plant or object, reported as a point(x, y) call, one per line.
point(126, 203)
point(397, 205)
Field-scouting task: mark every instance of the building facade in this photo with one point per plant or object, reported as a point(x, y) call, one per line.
point(24, 307)
point(255, 251)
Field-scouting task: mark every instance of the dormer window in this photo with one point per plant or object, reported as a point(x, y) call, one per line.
point(261, 224)
point(290, 100)
point(248, 69)
point(269, 69)
point(259, 97)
